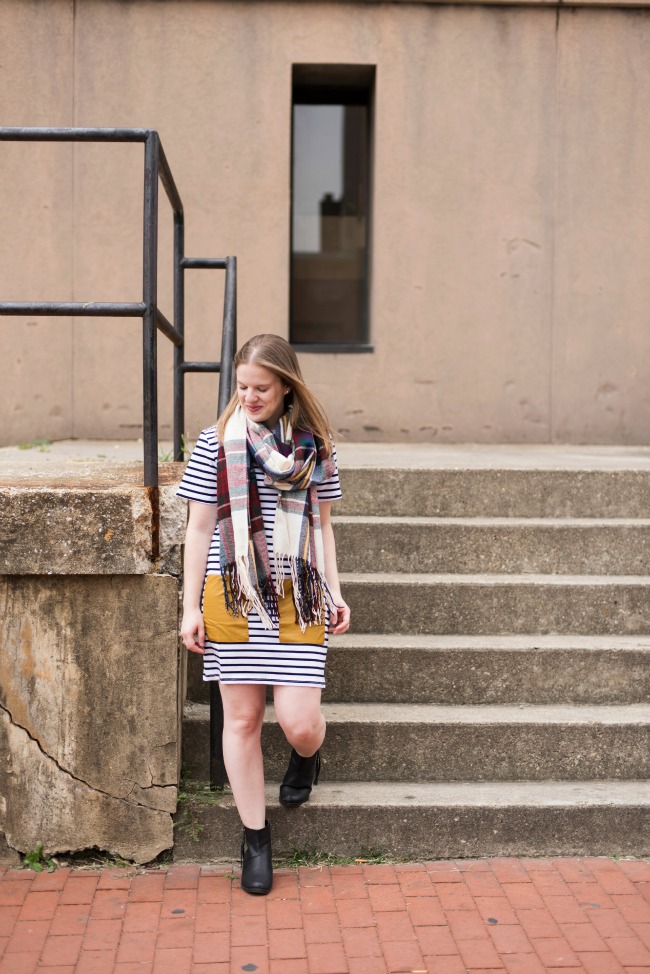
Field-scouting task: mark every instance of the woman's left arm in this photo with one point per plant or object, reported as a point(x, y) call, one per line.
point(341, 621)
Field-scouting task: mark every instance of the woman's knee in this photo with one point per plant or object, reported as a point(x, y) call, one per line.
point(300, 717)
point(305, 730)
point(243, 713)
point(244, 724)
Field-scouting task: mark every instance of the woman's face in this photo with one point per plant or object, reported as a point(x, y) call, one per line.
point(261, 393)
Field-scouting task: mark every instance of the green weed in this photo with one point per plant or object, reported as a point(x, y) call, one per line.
point(37, 861)
point(192, 797)
point(316, 857)
point(39, 443)
point(187, 822)
point(167, 456)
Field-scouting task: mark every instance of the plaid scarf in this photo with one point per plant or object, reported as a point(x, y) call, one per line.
point(294, 465)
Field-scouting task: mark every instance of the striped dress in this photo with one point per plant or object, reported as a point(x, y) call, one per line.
point(265, 657)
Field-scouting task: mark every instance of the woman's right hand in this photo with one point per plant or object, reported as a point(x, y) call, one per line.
point(193, 631)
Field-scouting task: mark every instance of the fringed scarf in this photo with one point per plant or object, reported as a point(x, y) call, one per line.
point(295, 465)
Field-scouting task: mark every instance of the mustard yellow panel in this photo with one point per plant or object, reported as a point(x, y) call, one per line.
point(220, 625)
point(290, 631)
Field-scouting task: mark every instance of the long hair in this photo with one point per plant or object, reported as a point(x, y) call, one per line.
point(305, 412)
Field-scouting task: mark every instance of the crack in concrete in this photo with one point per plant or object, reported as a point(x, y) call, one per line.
point(70, 775)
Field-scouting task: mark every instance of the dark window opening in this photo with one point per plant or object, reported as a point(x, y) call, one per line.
point(330, 204)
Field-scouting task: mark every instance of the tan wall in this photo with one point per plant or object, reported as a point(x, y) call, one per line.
point(36, 201)
point(511, 223)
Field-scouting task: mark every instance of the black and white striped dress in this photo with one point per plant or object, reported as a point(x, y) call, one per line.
point(263, 658)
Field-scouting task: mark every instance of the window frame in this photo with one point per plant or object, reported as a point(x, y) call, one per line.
point(336, 84)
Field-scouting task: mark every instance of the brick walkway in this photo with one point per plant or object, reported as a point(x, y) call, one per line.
point(521, 916)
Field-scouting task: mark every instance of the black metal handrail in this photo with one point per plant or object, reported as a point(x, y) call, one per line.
point(156, 168)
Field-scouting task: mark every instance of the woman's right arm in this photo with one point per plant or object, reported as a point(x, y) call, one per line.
point(200, 529)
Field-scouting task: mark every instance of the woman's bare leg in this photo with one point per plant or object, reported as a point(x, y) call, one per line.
point(243, 707)
point(300, 717)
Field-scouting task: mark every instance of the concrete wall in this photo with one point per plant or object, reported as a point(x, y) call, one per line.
point(91, 683)
point(511, 210)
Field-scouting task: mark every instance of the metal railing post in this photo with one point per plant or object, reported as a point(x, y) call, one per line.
point(226, 384)
point(229, 334)
point(149, 320)
point(179, 325)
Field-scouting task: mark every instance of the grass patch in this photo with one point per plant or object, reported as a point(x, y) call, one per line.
point(187, 821)
point(39, 443)
point(192, 797)
point(87, 859)
point(317, 857)
point(167, 456)
point(105, 860)
point(200, 793)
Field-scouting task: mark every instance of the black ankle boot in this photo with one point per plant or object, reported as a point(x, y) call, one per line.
point(301, 774)
point(256, 867)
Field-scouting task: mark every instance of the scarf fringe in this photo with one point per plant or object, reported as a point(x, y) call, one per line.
point(242, 599)
point(310, 592)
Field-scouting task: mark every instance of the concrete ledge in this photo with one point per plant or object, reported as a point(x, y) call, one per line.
point(87, 517)
point(435, 821)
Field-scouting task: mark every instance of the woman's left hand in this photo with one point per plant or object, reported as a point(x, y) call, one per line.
point(339, 618)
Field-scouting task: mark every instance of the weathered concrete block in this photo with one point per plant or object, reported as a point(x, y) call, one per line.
point(88, 518)
point(42, 802)
point(8, 856)
point(89, 702)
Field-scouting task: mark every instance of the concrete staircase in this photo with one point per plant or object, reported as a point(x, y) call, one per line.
point(493, 698)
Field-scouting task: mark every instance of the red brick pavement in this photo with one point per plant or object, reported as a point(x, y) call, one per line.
point(516, 916)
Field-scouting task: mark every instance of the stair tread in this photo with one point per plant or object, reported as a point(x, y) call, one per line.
point(470, 793)
point(492, 522)
point(418, 713)
point(490, 642)
point(490, 579)
point(542, 457)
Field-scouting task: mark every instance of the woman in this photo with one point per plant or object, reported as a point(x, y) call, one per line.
point(261, 586)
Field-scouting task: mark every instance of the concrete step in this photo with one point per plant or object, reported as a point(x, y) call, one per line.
point(371, 668)
point(428, 742)
point(498, 604)
point(488, 670)
point(574, 546)
point(432, 821)
point(500, 491)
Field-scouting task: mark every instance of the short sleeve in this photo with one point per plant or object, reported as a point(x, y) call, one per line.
point(330, 490)
point(199, 481)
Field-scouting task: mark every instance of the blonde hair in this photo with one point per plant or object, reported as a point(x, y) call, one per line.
point(305, 411)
